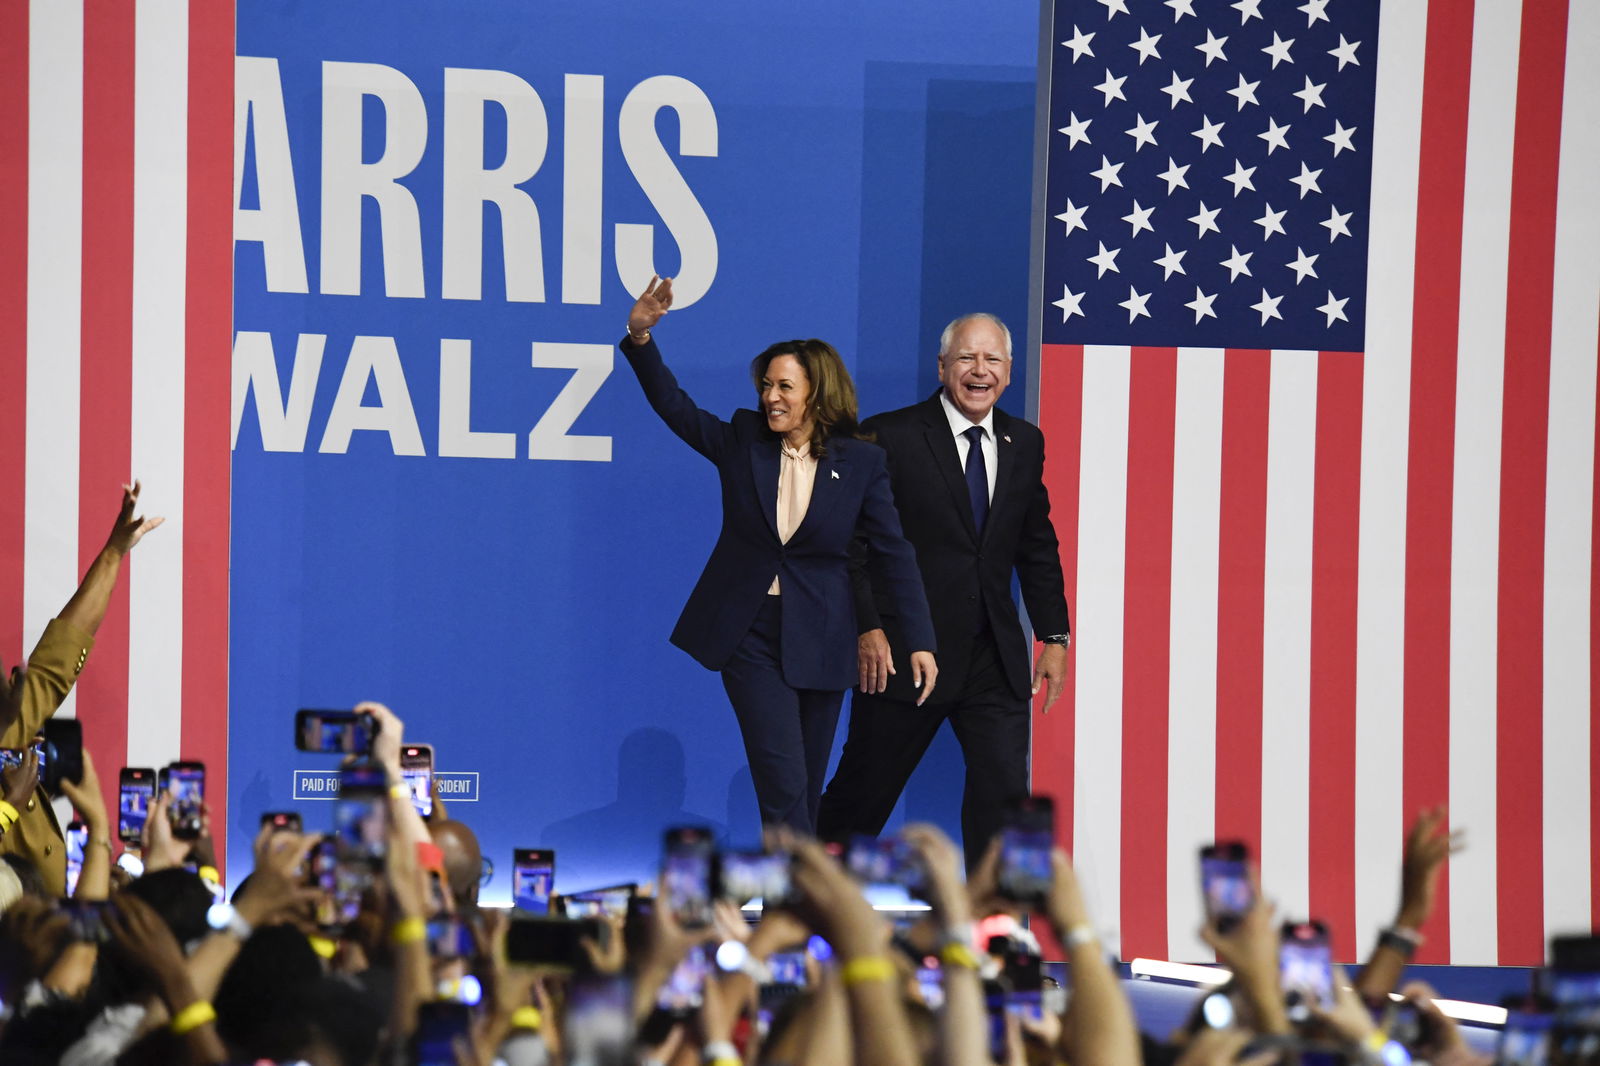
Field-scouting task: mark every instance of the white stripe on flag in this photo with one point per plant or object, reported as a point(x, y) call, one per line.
point(55, 284)
point(1102, 552)
point(160, 196)
point(1385, 440)
point(1475, 532)
point(1286, 644)
point(1192, 721)
point(1569, 487)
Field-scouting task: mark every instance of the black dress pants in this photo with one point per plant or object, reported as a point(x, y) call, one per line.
point(788, 732)
point(887, 740)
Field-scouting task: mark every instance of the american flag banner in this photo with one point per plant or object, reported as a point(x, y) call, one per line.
point(1320, 317)
point(116, 168)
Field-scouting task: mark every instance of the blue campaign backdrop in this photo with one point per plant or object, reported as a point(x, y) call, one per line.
point(443, 207)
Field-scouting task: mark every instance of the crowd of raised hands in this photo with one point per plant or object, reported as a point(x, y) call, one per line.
point(358, 949)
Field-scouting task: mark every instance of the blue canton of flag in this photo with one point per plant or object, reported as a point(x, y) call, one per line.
point(1209, 173)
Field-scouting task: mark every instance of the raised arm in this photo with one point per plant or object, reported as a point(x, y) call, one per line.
point(701, 430)
point(29, 696)
point(1429, 844)
point(87, 608)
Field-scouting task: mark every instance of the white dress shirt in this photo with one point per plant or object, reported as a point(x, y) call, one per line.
point(959, 424)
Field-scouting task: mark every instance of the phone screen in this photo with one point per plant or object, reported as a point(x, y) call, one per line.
point(685, 990)
point(439, 1026)
point(600, 1021)
point(1025, 843)
point(1525, 1040)
point(416, 763)
point(77, 839)
point(340, 885)
point(187, 783)
point(361, 815)
point(788, 968)
point(86, 920)
point(883, 861)
point(600, 902)
point(136, 790)
point(449, 938)
point(1575, 1028)
point(747, 875)
point(686, 875)
point(333, 732)
point(1305, 967)
point(533, 874)
point(10, 757)
point(930, 982)
point(1025, 980)
point(1225, 884)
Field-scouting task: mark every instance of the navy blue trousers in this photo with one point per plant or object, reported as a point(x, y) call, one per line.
point(788, 732)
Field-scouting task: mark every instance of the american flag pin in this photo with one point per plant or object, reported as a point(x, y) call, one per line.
point(835, 474)
point(1008, 439)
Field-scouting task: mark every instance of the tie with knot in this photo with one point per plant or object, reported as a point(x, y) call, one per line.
point(977, 477)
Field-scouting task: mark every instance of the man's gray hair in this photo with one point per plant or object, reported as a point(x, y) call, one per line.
point(950, 331)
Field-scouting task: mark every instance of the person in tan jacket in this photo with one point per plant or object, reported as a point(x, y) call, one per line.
point(30, 695)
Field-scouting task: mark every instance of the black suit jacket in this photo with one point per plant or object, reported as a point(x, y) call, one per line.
point(968, 579)
point(849, 499)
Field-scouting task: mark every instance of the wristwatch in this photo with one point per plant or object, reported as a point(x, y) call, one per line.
point(1063, 639)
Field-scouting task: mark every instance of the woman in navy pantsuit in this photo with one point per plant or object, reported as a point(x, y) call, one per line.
point(773, 610)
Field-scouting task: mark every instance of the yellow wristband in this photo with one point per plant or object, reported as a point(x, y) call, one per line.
point(325, 948)
point(724, 1062)
point(1377, 1039)
point(958, 954)
point(192, 1017)
point(400, 791)
point(209, 873)
point(8, 813)
point(408, 931)
point(526, 1018)
point(867, 968)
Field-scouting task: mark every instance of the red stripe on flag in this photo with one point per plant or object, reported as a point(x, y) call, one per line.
point(13, 320)
point(1447, 74)
point(1241, 593)
point(1061, 421)
point(1524, 450)
point(1147, 650)
point(105, 427)
point(208, 340)
point(1335, 565)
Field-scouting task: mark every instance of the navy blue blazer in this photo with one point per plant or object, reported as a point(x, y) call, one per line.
point(851, 496)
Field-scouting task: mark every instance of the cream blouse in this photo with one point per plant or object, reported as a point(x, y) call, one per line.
point(797, 473)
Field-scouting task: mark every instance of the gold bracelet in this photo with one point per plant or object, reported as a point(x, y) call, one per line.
point(102, 844)
point(408, 931)
point(866, 968)
point(192, 1017)
point(527, 1018)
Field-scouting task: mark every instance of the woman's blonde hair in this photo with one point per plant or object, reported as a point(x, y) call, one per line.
point(832, 403)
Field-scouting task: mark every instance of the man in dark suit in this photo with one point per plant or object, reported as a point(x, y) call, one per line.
point(968, 480)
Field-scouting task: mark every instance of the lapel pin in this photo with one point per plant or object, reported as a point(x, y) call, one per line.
point(1008, 438)
point(835, 474)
